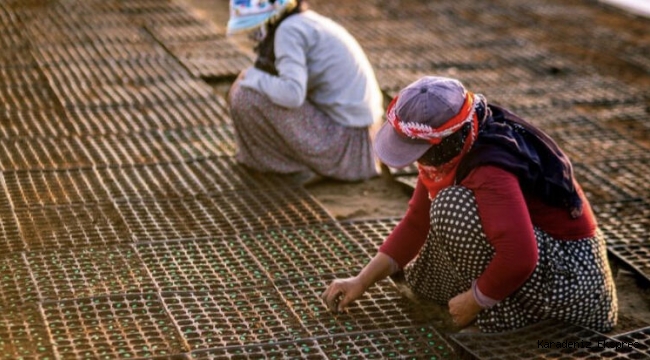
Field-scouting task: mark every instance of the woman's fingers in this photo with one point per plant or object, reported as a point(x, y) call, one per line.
point(331, 295)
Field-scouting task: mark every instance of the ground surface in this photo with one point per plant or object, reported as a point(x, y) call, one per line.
point(128, 231)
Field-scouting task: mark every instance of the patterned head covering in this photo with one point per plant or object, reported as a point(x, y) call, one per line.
point(250, 14)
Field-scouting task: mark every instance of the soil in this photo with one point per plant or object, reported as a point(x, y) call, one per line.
point(381, 197)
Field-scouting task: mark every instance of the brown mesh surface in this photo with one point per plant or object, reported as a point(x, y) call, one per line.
point(541, 341)
point(117, 326)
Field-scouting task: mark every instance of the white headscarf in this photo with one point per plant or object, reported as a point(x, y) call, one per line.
point(250, 14)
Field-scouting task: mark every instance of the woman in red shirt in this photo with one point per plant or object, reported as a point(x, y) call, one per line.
point(497, 227)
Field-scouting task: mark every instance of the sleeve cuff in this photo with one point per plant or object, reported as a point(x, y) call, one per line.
point(394, 266)
point(482, 300)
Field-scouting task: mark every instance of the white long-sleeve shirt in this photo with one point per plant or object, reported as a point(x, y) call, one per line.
point(318, 60)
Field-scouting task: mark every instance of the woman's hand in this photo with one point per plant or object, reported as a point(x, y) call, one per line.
point(342, 292)
point(463, 308)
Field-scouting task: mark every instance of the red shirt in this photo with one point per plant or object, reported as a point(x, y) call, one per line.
point(507, 216)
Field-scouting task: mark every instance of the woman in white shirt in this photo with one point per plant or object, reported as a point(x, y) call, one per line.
point(308, 105)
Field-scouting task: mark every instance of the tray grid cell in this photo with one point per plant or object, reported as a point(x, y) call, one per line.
point(48, 122)
point(96, 52)
point(308, 251)
point(523, 343)
point(301, 349)
point(233, 317)
point(156, 117)
point(12, 241)
point(66, 77)
point(640, 338)
point(28, 188)
point(413, 343)
point(203, 176)
point(635, 255)
point(382, 307)
point(17, 286)
point(201, 265)
point(216, 68)
point(630, 174)
point(624, 222)
point(154, 92)
point(114, 35)
point(597, 187)
point(65, 274)
point(111, 151)
point(118, 326)
point(175, 33)
point(370, 234)
point(71, 226)
point(26, 98)
point(259, 210)
point(174, 218)
point(23, 334)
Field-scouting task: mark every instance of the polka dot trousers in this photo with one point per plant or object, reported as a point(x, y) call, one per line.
point(572, 281)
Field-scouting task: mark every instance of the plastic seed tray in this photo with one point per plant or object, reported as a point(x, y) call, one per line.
point(595, 144)
point(599, 188)
point(212, 264)
point(118, 326)
point(17, 286)
point(26, 98)
point(624, 222)
point(540, 341)
point(217, 68)
point(71, 226)
point(630, 174)
point(370, 234)
point(354, 11)
point(182, 179)
point(301, 349)
point(170, 34)
point(115, 150)
point(42, 153)
point(115, 35)
point(65, 273)
point(67, 76)
point(29, 77)
point(631, 119)
point(308, 251)
point(95, 52)
point(636, 256)
point(413, 343)
point(233, 317)
point(9, 233)
point(28, 188)
point(428, 58)
point(382, 307)
point(76, 273)
point(23, 334)
point(169, 116)
point(155, 92)
point(173, 218)
point(266, 209)
point(220, 214)
point(641, 338)
point(19, 56)
point(151, 7)
point(214, 49)
point(164, 16)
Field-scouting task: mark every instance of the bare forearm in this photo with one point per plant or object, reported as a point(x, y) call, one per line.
point(380, 267)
